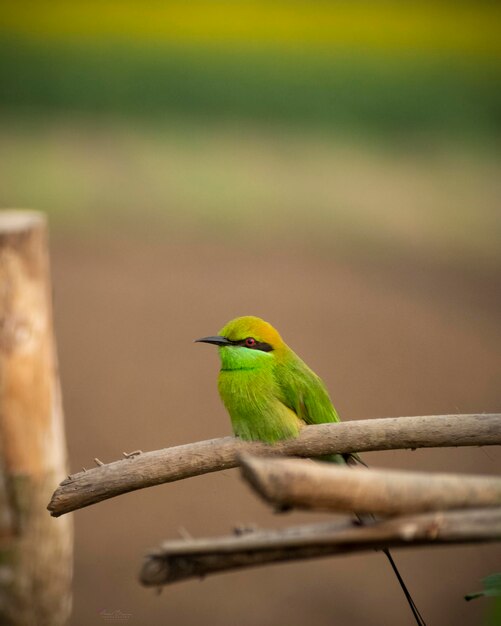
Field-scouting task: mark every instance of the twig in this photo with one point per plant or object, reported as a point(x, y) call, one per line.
point(302, 484)
point(171, 464)
point(178, 560)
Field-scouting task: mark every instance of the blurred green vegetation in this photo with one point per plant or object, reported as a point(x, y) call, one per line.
point(356, 93)
point(366, 124)
point(383, 66)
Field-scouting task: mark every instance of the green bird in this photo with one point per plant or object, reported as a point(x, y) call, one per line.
point(271, 394)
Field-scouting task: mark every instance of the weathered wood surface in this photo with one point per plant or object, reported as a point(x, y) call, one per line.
point(171, 464)
point(299, 483)
point(179, 560)
point(35, 550)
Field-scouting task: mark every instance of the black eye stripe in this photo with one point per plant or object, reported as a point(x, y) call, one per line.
point(259, 345)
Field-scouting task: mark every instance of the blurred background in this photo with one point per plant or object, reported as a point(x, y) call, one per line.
point(330, 166)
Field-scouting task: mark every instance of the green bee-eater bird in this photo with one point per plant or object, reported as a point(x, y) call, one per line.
point(270, 393)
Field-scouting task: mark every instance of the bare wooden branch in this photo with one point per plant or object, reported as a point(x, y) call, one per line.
point(179, 560)
point(171, 464)
point(304, 484)
point(35, 551)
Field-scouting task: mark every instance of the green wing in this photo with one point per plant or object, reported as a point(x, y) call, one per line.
point(304, 392)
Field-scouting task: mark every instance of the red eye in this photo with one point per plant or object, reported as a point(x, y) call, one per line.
point(250, 342)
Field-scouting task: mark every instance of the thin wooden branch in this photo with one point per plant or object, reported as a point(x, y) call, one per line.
point(171, 464)
point(179, 560)
point(300, 483)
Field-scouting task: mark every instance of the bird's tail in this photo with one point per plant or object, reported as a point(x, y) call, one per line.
point(354, 459)
point(363, 519)
point(415, 611)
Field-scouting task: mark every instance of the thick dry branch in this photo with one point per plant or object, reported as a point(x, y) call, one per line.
point(181, 559)
point(171, 464)
point(300, 483)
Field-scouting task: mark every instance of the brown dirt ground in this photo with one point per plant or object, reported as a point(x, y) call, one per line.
point(388, 338)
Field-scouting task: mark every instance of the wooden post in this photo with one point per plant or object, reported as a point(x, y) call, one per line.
point(35, 549)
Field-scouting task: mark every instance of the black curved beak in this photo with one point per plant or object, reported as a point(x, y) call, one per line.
point(217, 340)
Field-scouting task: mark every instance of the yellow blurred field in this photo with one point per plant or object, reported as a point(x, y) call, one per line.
point(457, 29)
